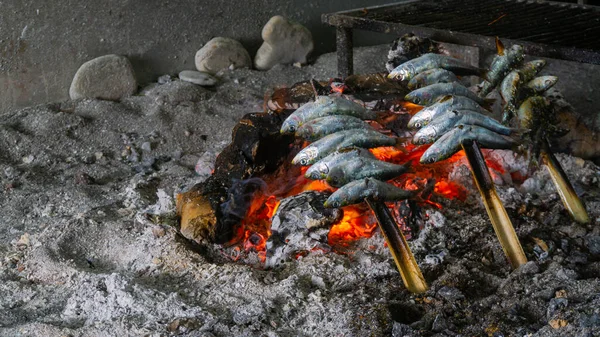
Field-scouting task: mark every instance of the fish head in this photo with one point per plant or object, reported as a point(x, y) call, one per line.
point(420, 119)
point(549, 81)
point(421, 96)
point(537, 64)
point(431, 155)
point(291, 124)
point(426, 135)
point(336, 177)
point(317, 171)
point(306, 157)
point(338, 199)
point(402, 72)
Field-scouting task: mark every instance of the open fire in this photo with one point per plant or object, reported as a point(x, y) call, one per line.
point(357, 221)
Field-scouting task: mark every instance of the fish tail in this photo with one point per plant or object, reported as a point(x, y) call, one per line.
point(518, 133)
point(488, 103)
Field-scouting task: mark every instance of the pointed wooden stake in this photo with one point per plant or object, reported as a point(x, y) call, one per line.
point(405, 261)
point(565, 190)
point(498, 216)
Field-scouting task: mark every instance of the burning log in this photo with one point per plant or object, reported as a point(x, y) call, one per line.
point(257, 147)
point(405, 261)
point(498, 216)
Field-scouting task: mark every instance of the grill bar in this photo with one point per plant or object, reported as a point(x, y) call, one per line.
point(547, 29)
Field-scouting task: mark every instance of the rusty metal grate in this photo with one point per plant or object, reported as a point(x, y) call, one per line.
point(548, 29)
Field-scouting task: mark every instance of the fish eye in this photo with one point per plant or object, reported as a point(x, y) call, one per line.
point(303, 162)
point(416, 100)
point(418, 125)
point(292, 128)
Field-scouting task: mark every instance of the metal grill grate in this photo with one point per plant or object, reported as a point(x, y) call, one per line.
point(544, 28)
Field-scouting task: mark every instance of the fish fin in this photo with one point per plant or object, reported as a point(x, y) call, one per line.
point(488, 103)
point(499, 47)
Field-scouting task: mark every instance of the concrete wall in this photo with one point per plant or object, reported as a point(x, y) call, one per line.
point(43, 43)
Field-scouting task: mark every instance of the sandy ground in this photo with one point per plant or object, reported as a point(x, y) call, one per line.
point(88, 245)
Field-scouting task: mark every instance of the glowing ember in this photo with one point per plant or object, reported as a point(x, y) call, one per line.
point(356, 223)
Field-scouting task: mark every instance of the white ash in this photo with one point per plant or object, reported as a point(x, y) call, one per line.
point(93, 254)
point(300, 224)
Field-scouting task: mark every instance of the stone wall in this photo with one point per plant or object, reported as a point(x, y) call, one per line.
point(42, 43)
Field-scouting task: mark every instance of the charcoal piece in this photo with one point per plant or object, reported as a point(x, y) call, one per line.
point(300, 224)
point(408, 47)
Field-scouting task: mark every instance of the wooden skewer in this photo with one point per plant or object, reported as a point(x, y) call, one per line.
point(405, 261)
point(495, 209)
point(565, 190)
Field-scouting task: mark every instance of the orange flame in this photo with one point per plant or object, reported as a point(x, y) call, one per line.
point(355, 224)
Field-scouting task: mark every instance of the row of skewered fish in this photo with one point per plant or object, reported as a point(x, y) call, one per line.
point(339, 152)
point(454, 114)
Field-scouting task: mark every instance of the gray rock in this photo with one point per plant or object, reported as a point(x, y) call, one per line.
point(197, 77)
point(401, 330)
point(165, 79)
point(177, 92)
point(439, 323)
point(593, 244)
point(221, 53)
point(530, 267)
point(450, 294)
point(108, 77)
point(285, 42)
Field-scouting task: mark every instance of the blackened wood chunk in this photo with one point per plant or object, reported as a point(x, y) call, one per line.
point(259, 138)
point(257, 148)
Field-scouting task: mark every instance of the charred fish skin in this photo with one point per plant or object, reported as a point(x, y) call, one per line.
point(540, 84)
point(320, 169)
point(431, 76)
point(530, 69)
point(450, 143)
point(512, 85)
point(532, 113)
point(362, 167)
point(363, 138)
point(355, 192)
point(320, 127)
point(503, 62)
point(445, 122)
point(447, 103)
point(408, 70)
point(325, 106)
point(509, 89)
point(431, 93)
